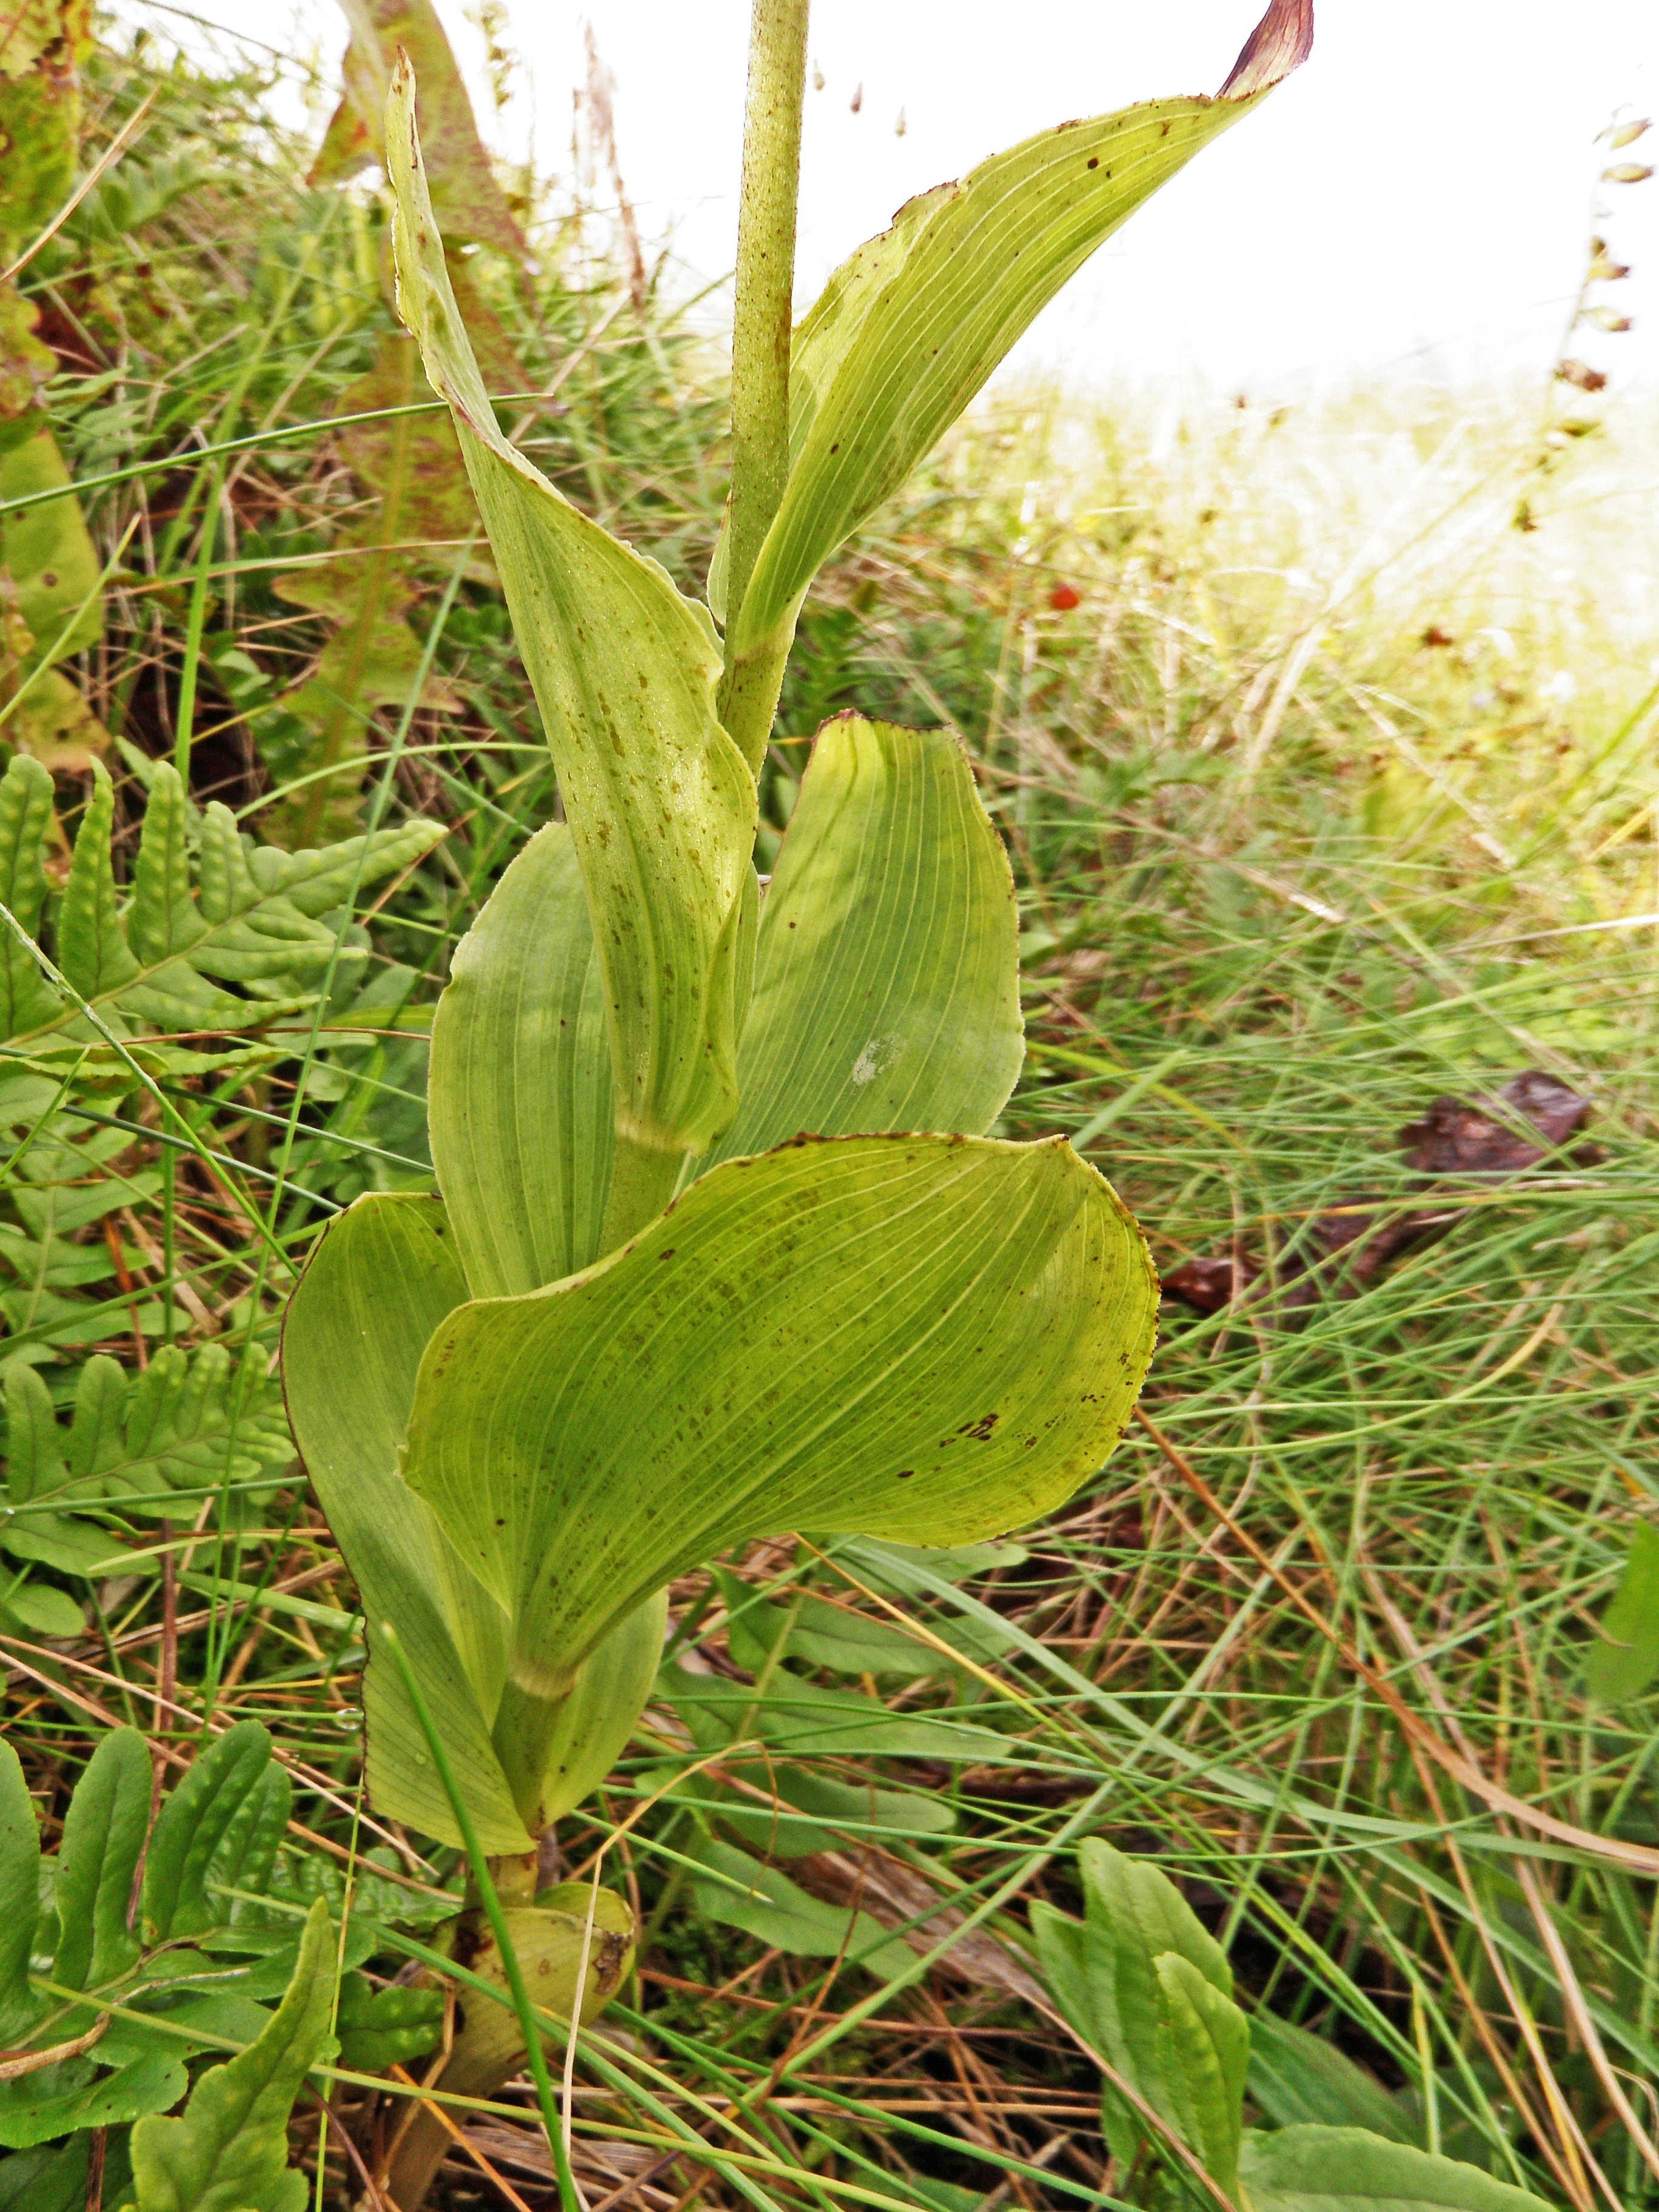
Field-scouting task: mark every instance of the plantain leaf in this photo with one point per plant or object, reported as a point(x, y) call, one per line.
point(519, 1090)
point(377, 1285)
point(19, 1891)
point(886, 970)
point(808, 1811)
point(739, 1891)
point(35, 1610)
point(1203, 2045)
point(806, 1721)
point(104, 1833)
point(911, 326)
point(1103, 1973)
point(1347, 2170)
point(823, 1635)
point(927, 1338)
point(1297, 2077)
point(660, 804)
point(1624, 1661)
point(228, 2151)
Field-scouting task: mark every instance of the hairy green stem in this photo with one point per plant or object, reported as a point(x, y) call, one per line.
point(762, 326)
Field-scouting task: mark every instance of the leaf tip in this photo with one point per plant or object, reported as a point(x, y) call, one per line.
point(1280, 42)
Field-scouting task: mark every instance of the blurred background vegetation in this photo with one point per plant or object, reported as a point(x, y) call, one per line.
point(1322, 739)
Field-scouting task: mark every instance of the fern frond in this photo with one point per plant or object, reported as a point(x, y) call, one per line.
point(255, 918)
point(134, 1440)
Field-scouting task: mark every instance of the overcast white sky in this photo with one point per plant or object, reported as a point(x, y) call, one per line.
point(1419, 195)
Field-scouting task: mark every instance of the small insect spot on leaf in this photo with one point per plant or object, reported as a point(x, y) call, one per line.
point(666, 1254)
point(905, 1472)
point(1094, 159)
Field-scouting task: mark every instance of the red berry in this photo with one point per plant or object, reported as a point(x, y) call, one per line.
point(1063, 599)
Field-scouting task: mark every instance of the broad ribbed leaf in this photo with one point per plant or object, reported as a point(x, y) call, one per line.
point(887, 967)
point(660, 804)
point(1346, 2170)
point(380, 1282)
point(227, 2150)
point(822, 1634)
point(807, 1720)
point(377, 1285)
point(926, 1338)
point(103, 1834)
point(911, 326)
point(1203, 2044)
point(788, 1811)
point(519, 1093)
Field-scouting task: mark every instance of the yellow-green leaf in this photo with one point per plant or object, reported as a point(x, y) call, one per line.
point(519, 1093)
point(886, 971)
point(376, 1287)
point(926, 1338)
point(659, 803)
point(380, 1282)
point(1103, 1975)
point(911, 326)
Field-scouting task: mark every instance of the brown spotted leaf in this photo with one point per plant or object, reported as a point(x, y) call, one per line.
point(469, 202)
